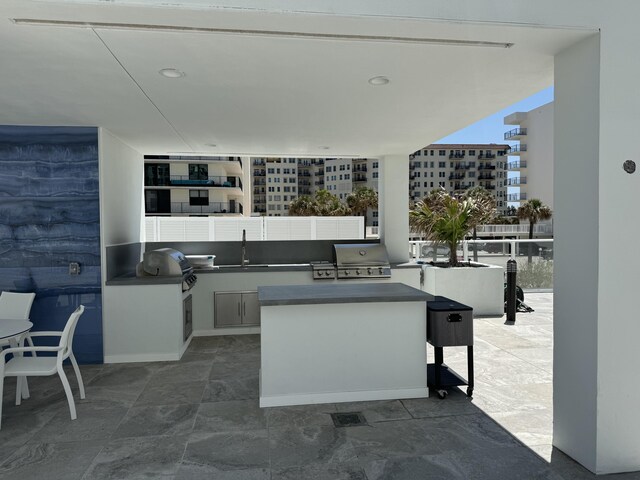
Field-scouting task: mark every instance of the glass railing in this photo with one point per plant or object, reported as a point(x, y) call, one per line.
point(222, 181)
point(534, 257)
point(517, 149)
point(516, 132)
point(515, 197)
point(213, 207)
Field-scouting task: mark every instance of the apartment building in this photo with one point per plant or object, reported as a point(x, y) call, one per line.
point(458, 167)
point(193, 186)
point(531, 155)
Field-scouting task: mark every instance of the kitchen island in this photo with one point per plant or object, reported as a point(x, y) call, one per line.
point(342, 343)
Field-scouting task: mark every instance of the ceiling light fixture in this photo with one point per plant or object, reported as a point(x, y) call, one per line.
point(212, 145)
point(379, 80)
point(323, 147)
point(171, 73)
point(260, 33)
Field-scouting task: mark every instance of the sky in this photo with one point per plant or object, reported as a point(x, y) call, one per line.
point(492, 129)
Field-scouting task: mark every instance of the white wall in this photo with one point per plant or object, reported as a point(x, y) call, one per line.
point(121, 191)
point(393, 206)
point(539, 156)
point(576, 246)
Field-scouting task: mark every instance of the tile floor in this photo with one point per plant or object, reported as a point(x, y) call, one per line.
point(199, 419)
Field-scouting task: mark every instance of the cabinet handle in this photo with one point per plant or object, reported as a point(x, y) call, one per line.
point(244, 309)
point(238, 308)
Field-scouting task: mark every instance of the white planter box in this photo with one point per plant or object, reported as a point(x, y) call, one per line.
point(479, 287)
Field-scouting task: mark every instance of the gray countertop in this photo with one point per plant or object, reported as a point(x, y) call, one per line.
point(340, 293)
point(131, 279)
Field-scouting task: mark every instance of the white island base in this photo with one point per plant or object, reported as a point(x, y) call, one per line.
point(343, 352)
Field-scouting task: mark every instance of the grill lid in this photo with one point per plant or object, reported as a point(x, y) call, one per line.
point(360, 254)
point(166, 261)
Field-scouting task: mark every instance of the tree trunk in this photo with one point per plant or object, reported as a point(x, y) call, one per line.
point(530, 243)
point(453, 254)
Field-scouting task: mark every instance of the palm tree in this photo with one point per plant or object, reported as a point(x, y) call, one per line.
point(442, 218)
point(485, 205)
point(362, 199)
point(302, 206)
point(533, 211)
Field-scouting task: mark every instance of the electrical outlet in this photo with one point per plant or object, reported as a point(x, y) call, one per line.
point(74, 268)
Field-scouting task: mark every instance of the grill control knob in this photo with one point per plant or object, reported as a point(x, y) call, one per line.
point(328, 273)
point(357, 271)
point(369, 271)
point(381, 271)
point(346, 272)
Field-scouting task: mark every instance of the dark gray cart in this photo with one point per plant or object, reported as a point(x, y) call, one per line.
point(449, 324)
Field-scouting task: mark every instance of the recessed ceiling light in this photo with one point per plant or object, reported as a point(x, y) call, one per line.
point(380, 80)
point(323, 147)
point(171, 73)
point(211, 145)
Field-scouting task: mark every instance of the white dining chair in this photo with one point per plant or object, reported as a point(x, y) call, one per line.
point(21, 366)
point(16, 306)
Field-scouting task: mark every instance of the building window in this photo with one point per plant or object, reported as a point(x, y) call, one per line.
point(375, 214)
point(442, 164)
point(472, 153)
point(417, 164)
point(198, 172)
point(442, 174)
point(431, 184)
point(375, 164)
point(198, 197)
point(442, 153)
point(375, 175)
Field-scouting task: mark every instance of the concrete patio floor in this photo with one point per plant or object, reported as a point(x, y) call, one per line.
point(199, 419)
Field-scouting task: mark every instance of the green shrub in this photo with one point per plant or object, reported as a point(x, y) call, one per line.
point(538, 274)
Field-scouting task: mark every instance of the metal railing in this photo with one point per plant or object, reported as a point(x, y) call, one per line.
point(515, 197)
point(516, 181)
point(213, 207)
point(217, 181)
point(519, 229)
point(517, 165)
point(517, 149)
point(516, 132)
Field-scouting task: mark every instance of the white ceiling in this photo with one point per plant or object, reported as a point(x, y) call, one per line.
point(257, 94)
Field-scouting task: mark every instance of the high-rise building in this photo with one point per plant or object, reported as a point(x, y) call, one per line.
point(532, 157)
point(458, 167)
point(193, 186)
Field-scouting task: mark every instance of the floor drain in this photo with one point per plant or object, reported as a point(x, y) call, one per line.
point(348, 419)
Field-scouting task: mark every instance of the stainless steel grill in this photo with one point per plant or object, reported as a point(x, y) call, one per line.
point(361, 260)
point(165, 262)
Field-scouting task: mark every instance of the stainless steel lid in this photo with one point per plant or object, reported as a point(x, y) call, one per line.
point(360, 254)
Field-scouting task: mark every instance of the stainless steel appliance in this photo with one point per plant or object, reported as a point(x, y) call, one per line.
point(362, 260)
point(355, 260)
point(165, 262)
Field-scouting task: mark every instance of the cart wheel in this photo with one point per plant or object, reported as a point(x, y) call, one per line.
point(442, 394)
point(469, 392)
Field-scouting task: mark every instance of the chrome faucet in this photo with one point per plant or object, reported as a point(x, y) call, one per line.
point(244, 260)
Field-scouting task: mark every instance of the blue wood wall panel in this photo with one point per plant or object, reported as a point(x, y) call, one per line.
point(49, 217)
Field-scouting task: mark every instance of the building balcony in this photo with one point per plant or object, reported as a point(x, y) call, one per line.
point(486, 166)
point(259, 173)
point(486, 176)
point(359, 178)
point(457, 176)
point(461, 166)
point(319, 183)
point(259, 181)
point(520, 164)
point(517, 149)
point(516, 197)
point(221, 182)
point(363, 168)
point(259, 162)
point(515, 134)
point(304, 182)
point(515, 181)
point(210, 208)
point(456, 155)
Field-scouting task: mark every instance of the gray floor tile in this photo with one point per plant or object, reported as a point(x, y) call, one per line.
point(300, 415)
point(291, 447)
point(391, 439)
point(194, 471)
point(531, 428)
point(456, 403)
point(181, 372)
point(138, 458)
point(171, 393)
point(92, 424)
point(229, 451)
point(380, 411)
point(124, 374)
point(227, 370)
point(241, 388)
point(147, 421)
point(427, 467)
point(230, 416)
point(320, 472)
point(18, 428)
point(124, 396)
point(48, 460)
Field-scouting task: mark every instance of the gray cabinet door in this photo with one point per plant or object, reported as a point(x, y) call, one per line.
point(228, 309)
point(250, 309)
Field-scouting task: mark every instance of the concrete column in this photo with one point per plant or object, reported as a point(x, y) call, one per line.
point(247, 188)
point(393, 206)
point(597, 222)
